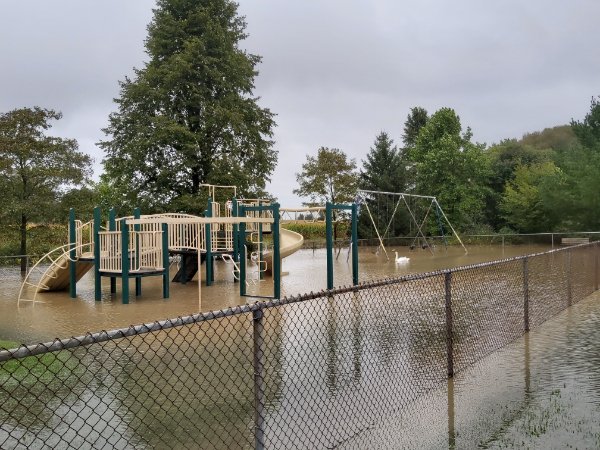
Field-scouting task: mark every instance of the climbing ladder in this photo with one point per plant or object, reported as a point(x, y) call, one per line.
point(51, 272)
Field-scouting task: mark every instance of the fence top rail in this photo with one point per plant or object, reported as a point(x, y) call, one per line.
point(103, 336)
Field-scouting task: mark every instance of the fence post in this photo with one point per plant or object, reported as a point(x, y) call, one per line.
point(569, 287)
point(449, 337)
point(526, 294)
point(259, 400)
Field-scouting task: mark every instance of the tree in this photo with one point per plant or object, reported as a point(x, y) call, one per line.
point(328, 177)
point(529, 202)
point(416, 119)
point(582, 166)
point(35, 168)
point(504, 159)
point(453, 169)
point(588, 131)
point(188, 117)
point(384, 169)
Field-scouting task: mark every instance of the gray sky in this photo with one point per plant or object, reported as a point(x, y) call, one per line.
point(335, 72)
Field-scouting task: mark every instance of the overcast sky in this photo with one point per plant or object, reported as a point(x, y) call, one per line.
point(336, 72)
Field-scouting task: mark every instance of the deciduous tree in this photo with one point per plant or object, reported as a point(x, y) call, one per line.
point(452, 168)
point(328, 177)
point(35, 169)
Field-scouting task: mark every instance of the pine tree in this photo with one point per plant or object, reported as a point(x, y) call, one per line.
point(188, 116)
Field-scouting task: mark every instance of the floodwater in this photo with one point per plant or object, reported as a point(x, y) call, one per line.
point(56, 315)
point(540, 391)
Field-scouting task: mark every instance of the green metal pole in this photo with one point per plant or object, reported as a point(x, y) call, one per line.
point(136, 228)
point(72, 255)
point(209, 275)
point(276, 253)
point(96, 232)
point(165, 248)
point(112, 226)
point(329, 237)
point(354, 245)
point(260, 245)
point(124, 262)
point(242, 262)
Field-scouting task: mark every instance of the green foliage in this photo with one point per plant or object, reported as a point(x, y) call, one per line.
point(44, 368)
point(384, 169)
point(316, 230)
point(189, 117)
point(528, 203)
point(588, 131)
point(453, 169)
point(415, 121)
point(328, 177)
point(35, 169)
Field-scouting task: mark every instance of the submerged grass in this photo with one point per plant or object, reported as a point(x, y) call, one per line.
point(39, 368)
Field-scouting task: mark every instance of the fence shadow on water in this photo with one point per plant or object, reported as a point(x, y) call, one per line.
point(322, 370)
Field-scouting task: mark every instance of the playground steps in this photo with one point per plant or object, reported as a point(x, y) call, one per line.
point(190, 265)
point(57, 278)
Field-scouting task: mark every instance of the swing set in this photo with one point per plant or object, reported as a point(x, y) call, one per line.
point(402, 200)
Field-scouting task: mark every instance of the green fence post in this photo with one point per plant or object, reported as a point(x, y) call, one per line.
point(72, 255)
point(276, 252)
point(112, 226)
point(354, 244)
point(329, 237)
point(97, 276)
point(124, 262)
point(136, 228)
point(165, 261)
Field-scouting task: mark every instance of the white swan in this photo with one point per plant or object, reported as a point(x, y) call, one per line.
point(401, 259)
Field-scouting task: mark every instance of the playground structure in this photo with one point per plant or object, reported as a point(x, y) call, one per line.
point(400, 202)
point(140, 246)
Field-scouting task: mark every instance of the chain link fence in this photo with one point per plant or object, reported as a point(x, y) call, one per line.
point(323, 370)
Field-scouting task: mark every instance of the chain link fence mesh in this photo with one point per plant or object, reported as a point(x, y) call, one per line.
point(322, 370)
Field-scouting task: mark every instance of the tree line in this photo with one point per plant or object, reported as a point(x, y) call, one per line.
point(546, 181)
point(189, 116)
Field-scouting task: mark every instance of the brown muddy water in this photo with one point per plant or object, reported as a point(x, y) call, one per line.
point(305, 271)
point(539, 391)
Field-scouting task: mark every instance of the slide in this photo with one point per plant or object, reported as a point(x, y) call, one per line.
point(289, 242)
point(56, 278)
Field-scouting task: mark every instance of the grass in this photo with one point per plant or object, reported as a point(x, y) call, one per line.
point(42, 368)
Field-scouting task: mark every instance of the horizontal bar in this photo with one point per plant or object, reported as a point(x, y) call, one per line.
point(307, 209)
point(199, 220)
point(400, 194)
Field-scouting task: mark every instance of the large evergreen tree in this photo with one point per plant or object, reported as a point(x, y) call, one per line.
point(384, 170)
point(189, 116)
point(416, 119)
